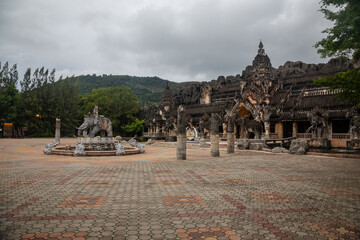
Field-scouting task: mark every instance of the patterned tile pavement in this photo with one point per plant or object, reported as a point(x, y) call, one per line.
point(248, 195)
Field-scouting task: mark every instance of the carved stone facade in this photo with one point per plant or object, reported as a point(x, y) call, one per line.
point(262, 102)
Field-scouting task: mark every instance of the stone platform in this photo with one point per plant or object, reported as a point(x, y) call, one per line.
point(247, 195)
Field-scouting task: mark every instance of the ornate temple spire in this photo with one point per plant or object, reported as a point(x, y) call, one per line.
point(261, 50)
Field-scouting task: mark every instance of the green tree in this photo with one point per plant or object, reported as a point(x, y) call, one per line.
point(43, 100)
point(348, 82)
point(119, 104)
point(9, 95)
point(343, 39)
point(135, 127)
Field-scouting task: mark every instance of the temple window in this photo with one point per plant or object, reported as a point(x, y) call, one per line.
point(272, 127)
point(341, 126)
point(207, 98)
point(303, 126)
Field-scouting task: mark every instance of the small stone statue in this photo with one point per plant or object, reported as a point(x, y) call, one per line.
point(120, 150)
point(48, 147)
point(80, 150)
point(136, 144)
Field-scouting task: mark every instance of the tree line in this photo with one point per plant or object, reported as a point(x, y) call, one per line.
point(38, 99)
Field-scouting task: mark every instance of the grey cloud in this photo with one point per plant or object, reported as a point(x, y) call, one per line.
point(178, 40)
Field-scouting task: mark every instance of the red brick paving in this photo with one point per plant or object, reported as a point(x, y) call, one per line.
point(248, 195)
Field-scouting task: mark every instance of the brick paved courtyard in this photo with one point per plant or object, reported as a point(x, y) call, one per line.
point(249, 195)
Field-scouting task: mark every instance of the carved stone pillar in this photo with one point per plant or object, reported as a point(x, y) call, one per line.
point(230, 134)
point(242, 132)
point(57, 130)
point(224, 125)
point(158, 129)
point(214, 135)
point(267, 129)
point(181, 134)
point(202, 133)
point(295, 129)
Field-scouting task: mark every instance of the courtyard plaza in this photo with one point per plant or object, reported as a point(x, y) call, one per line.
point(247, 195)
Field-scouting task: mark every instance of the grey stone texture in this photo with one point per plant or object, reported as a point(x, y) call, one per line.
point(214, 136)
point(150, 141)
point(279, 150)
point(298, 147)
point(48, 147)
point(120, 150)
point(256, 146)
point(80, 150)
point(57, 130)
point(243, 144)
point(181, 133)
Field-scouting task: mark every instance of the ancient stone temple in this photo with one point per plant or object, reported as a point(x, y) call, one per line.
point(262, 103)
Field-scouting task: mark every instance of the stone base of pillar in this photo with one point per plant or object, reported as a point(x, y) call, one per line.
point(215, 145)
point(181, 147)
point(202, 142)
point(230, 143)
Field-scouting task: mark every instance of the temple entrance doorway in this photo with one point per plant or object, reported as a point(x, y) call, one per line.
point(239, 131)
point(287, 129)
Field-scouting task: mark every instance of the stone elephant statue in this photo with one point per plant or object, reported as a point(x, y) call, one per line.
point(95, 124)
point(250, 126)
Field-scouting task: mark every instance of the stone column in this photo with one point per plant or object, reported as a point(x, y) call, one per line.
point(181, 134)
point(202, 133)
point(224, 125)
point(267, 129)
point(57, 130)
point(214, 135)
point(295, 129)
point(279, 129)
point(230, 134)
point(242, 132)
point(157, 129)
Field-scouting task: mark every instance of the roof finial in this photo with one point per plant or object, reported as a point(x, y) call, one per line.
point(261, 50)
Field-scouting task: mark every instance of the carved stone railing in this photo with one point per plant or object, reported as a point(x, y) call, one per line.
point(340, 136)
point(152, 134)
point(303, 135)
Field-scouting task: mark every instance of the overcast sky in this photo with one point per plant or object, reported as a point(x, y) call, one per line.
point(179, 40)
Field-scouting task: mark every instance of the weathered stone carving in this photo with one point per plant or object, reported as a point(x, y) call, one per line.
point(120, 150)
point(230, 119)
point(80, 150)
point(256, 146)
point(319, 124)
point(48, 147)
point(57, 130)
point(95, 123)
point(133, 142)
point(270, 97)
point(214, 135)
point(298, 147)
point(279, 150)
point(355, 127)
point(181, 133)
point(243, 144)
point(250, 126)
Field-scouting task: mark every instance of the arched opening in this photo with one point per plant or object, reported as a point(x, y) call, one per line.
point(239, 130)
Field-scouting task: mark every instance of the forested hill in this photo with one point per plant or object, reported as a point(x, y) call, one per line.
point(147, 89)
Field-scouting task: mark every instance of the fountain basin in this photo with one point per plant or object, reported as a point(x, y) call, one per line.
point(62, 150)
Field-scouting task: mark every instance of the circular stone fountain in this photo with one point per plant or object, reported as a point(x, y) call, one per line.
point(90, 145)
point(98, 146)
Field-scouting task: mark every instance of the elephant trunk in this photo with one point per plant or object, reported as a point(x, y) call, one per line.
point(83, 126)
